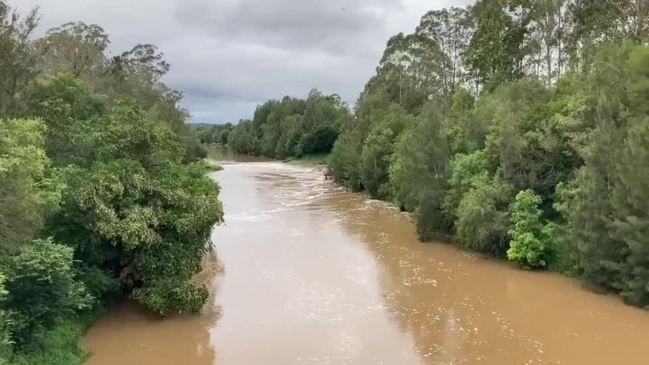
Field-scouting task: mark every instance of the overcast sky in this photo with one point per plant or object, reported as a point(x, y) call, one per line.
point(227, 56)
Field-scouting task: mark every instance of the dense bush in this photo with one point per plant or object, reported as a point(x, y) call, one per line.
point(345, 160)
point(419, 167)
point(27, 193)
point(41, 288)
point(529, 243)
point(483, 215)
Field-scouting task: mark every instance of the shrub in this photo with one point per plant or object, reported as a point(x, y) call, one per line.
point(483, 222)
point(529, 245)
point(42, 287)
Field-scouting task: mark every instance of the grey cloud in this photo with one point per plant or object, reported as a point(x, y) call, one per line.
point(337, 26)
point(229, 55)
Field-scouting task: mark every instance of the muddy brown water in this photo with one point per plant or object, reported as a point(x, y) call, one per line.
point(308, 273)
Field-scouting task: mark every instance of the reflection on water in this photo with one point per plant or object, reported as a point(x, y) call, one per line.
point(317, 275)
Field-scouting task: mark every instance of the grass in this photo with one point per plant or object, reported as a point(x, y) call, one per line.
point(310, 159)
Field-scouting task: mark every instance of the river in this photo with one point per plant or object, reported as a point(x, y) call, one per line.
point(308, 273)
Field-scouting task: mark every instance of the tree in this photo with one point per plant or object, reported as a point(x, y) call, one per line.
point(529, 244)
point(548, 32)
point(617, 82)
point(138, 213)
point(41, 287)
point(629, 218)
point(130, 206)
point(465, 170)
point(344, 162)
point(377, 150)
point(483, 215)
point(451, 29)
point(595, 22)
point(76, 48)
point(27, 193)
point(522, 138)
point(70, 109)
point(418, 169)
point(498, 45)
point(465, 132)
point(243, 138)
point(288, 142)
point(18, 61)
point(291, 127)
point(375, 161)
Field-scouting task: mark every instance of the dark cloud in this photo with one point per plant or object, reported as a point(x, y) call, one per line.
point(335, 26)
point(229, 55)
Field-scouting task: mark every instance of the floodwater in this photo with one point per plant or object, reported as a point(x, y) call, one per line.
point(308, 273)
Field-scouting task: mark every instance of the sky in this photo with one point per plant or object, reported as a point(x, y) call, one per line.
point(227, 56)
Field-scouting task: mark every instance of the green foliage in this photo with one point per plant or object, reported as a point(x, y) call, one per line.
point(18, 61)
point(70, 108)
point(129, 207)
point(432, 221)
point(60, 345)
point(167, 296)
point(378, 149)
point(41, 287)
point(464, 171)
point(465, 132)
point(291, 127)
point(6, 322)
point(27, 193)
point(420, 161)
point(243, 139)
point(320, 140)
point(629, 218)
point(601, 203)
point(374, 163)
point(497, 48)
point(418, 171)
point(529, 244)
point(344, 163)
point(483, 215)
point(213, 134)
point(525, 140)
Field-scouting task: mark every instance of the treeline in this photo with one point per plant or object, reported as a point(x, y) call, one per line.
point(101, 194)
point(520, 127)
point(291, 127)
point(213, 134)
